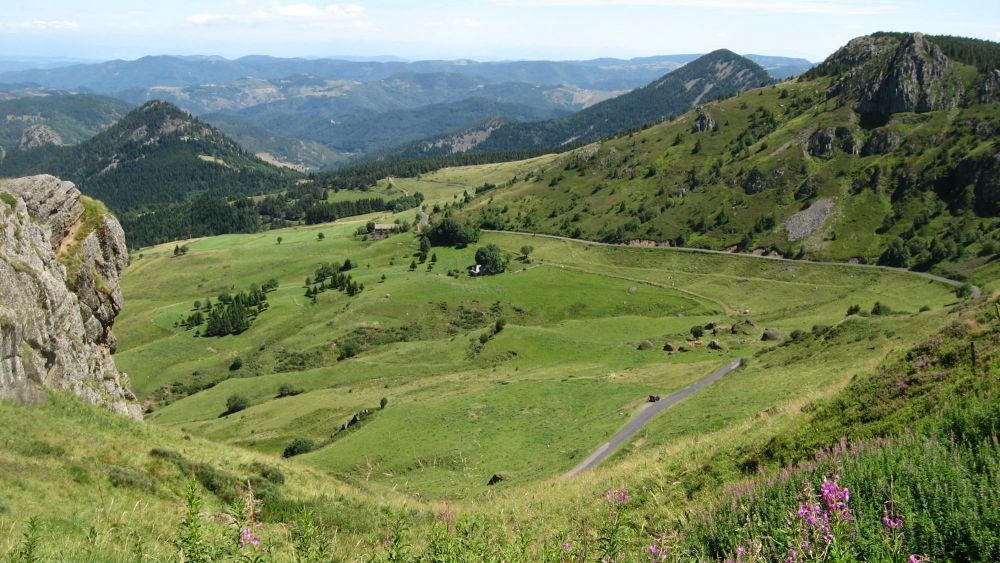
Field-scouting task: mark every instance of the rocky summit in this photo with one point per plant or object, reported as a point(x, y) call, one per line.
point(61, 258)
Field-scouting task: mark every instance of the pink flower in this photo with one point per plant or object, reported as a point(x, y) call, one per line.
point(247, 537)
point(616, 496)
point(567, 547)
point(918, 559)
point(891, 522)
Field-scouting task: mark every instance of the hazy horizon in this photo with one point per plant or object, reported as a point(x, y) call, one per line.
point(489, 30)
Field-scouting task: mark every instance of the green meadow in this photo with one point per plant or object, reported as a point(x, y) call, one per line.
point(572, 363)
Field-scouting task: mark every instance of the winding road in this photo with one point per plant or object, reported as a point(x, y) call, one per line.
point(976, 291)
point(645, 415)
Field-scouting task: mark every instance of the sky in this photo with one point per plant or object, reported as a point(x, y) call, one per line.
point(474, 29)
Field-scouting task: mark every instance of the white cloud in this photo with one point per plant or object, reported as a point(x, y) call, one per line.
point(722, 35)
point(330, 15)
point(43, 24)
point(821, 7)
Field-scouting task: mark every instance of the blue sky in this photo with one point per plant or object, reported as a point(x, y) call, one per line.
point(480, 29)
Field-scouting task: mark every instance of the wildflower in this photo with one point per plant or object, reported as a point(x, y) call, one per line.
point(567, 547)
point(659, 552)
point(835, 498)
point(892, 522)
point(918, 559)
point(616, 496)
point(247, 537)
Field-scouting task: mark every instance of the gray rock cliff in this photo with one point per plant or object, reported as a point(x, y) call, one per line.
point(61, 259)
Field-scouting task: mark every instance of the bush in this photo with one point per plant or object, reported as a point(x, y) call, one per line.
point(269, 472)
point(880, 309)
point(236, 403)
point(287, 390)
point(383, 402)
point(299, 446)
point(237, 364)
point(127, 477)
point(964, 291)
point(348, 349)
point(697, 331)
point(853, 310)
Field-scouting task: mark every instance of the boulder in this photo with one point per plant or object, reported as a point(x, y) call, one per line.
point(771, 334)
point(668, 347)
point(496, 478)
point(645, 345)
point(714, 345)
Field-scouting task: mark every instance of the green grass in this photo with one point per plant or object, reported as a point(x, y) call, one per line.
point(102, 494)
point(561, 378)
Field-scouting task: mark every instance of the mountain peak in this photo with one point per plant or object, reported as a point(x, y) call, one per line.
point(886, 73)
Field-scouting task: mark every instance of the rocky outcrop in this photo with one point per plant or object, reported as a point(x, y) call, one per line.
point(703, 122)
point(824, 141)
point(881, 141)
point(38, 135)
point(989, 91)
point(61, 258)
point(886, 75)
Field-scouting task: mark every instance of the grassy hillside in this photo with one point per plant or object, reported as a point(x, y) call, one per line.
point(530, 401)
point(783, 169)
point(118, 494)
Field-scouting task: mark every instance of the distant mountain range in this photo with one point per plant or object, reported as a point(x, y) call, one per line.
point(312, 114)
point(171, 71)
point(717, 75)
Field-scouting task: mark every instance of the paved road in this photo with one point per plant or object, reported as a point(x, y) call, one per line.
point(976, 292)
point(645, 415)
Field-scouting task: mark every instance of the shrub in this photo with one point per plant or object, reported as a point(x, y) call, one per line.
point(853, 310)
point(880, 309)
point(287, 390)
point(237, 364)
point(348, 349)
point(964, 291)
point(127, 477)
point(697, 331)
point(383, 402)
point(299, 446)
point(269, 472)
point(236, 403)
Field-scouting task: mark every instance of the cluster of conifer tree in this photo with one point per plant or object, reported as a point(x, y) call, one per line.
point(326, 212)
point(367, 173)
point(333, 276)
point(231, 314)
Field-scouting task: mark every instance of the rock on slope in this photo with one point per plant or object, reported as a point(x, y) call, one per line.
point(61, 258)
